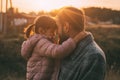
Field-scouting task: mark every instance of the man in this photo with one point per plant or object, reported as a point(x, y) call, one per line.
point(87, 61)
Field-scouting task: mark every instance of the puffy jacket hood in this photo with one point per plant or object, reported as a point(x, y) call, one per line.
point(28, 45)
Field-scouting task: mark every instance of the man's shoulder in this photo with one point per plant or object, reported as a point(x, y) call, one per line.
point(94, 49)
point(88, 44)
point(86, 48)
point(91, 49)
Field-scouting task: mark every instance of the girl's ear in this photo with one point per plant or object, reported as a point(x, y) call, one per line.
point(66, 27)
point(41, 31)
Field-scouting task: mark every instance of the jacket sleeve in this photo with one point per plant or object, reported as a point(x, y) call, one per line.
point(93, 68)
point(50, 49)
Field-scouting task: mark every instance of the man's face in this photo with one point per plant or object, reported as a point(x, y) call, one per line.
point(61, 31)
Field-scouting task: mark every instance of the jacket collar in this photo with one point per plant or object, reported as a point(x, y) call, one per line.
point(83, 43)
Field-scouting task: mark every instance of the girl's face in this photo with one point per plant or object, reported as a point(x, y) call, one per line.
point(51, 33)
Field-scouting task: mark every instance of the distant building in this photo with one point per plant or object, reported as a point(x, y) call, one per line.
point(13, 19)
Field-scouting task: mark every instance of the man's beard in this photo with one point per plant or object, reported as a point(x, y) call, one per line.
point(63, 38)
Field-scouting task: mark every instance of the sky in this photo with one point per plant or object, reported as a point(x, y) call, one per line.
point(48, 5)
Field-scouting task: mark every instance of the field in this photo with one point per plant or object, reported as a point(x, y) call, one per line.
point(108, 38)
point(13, 66)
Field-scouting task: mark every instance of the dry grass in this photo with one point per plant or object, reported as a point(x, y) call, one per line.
point(12, 66)
point(111, 75)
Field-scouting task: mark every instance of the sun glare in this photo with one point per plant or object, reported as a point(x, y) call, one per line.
point(37, 5)
point(48, 5)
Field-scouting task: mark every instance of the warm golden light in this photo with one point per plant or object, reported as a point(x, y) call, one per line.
point(48, 5)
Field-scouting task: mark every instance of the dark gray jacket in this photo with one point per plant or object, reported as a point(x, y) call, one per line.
point(87, 62)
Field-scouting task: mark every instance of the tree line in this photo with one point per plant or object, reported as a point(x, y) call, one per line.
point(103, 14)
point(96, 13)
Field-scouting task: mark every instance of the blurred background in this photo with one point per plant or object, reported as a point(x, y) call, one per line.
point(102, 19)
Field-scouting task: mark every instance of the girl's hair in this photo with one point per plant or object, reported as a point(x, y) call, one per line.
point(73, 16)
point(28, 30)
point(44, 22)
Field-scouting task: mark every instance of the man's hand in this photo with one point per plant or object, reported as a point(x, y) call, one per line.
point(80, 36)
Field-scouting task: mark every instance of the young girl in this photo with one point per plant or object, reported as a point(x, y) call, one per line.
point(41, 51)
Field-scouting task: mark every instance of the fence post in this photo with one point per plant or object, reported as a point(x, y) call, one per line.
point(5, 18)
point(1, 18)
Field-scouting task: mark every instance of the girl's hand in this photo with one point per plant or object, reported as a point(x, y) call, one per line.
point(80, 36)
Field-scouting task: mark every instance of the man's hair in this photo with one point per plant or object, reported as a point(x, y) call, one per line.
point(74, 16)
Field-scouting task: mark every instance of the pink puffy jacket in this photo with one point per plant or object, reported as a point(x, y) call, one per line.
point(42, 55)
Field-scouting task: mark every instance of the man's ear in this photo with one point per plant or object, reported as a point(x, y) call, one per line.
point(66, 27)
